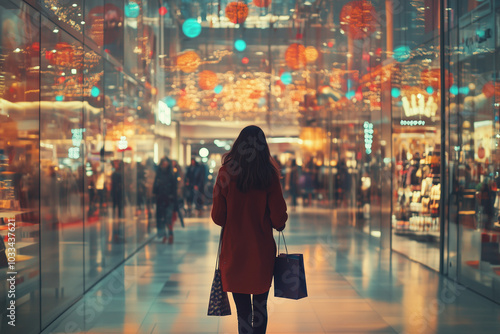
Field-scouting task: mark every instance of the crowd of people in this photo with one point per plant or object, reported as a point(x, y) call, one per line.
point(310, 181)
point(163, 192)
point(166, 192)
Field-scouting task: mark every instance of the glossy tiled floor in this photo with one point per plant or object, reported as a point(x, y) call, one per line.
point(353, 288)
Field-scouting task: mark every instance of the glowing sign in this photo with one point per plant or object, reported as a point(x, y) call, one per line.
point(77, 136)
point(164, 113)
point(419, 105)
point(368, 129)
point(74, 153)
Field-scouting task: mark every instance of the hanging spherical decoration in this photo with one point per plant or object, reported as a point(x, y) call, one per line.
point(295, 56)
point(207, 80)
point(262, 3)
point(311, 54)
point(132, 10)
point(358, 19)
point(237, 12)
point(188, 62)
point(191, 28)
point(432, 78)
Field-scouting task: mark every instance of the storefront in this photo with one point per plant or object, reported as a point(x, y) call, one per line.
point(473, 149)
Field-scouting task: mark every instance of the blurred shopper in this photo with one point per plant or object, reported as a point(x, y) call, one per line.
point(306, 181)
point(150, 178)
point(117, 188)
point(343, 183)
point(117, 195)
point(141, 187)
point(248, 203)
point(101, 191)
point(195, 182)
point(292, 182)
point(179, 176)
point(165, 189)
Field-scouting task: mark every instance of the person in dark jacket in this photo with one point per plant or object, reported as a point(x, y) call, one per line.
point(292, 182)
point(194, 186)
point(165, 190)
point(117, 188)
point(248, 203)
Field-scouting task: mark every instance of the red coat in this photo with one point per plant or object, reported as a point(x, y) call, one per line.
point(248, 250)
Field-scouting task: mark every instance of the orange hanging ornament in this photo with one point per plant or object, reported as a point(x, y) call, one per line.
point(188, 62)
point(237, 12)
point(207, 80)
point(295, 56)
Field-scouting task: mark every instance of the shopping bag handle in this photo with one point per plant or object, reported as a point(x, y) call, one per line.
point(219, 249)
point(279, 238)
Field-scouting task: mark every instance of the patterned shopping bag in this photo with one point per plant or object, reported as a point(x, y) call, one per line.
point(219, 302)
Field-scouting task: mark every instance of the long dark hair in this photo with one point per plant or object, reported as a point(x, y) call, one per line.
point(250, 160)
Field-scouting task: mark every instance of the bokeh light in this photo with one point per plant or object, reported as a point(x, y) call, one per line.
point(191, 28)
point(240, 45)
point(132, 10)
point(218, 89)
point(286, 78)
point(395, 92)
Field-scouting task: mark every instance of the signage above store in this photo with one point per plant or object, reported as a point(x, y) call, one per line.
point(419, 105)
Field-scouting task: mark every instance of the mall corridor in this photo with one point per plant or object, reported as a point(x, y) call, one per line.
point(352, 286)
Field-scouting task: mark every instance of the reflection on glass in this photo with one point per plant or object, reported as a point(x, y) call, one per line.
point(416, 139)
point(62, 170)
point(474, 121)
point(19, 167)
point(67, 11)
point(94, 184)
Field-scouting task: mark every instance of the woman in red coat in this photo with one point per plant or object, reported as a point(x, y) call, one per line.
point(248, 202)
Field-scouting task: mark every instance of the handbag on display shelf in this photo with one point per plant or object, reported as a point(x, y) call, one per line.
point(289, 274)
point(219, 302)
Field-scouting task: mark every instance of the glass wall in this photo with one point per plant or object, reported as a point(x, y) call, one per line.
point(76, 129)
point(474, 130)
point(19, 165)
point(416, 133)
